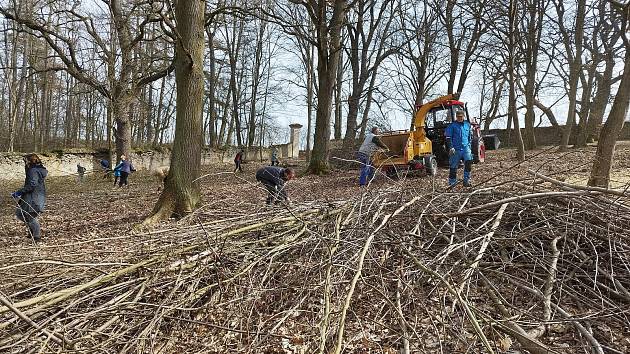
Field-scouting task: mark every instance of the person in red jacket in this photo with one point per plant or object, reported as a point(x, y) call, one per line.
point(238, 159)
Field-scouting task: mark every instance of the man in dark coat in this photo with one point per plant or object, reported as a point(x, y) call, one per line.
point(80, 173)
point(32, 196)
point(274, 179)
point(105, 166)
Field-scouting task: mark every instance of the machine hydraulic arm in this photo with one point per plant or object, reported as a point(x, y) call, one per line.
point(422, 145)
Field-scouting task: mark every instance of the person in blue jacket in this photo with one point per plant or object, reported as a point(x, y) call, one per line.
point(117, 172)
point(32, 196)
point(124, 168)
point(458, 142)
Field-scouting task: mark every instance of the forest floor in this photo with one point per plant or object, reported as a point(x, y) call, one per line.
point(94, 223)
point(95, 209)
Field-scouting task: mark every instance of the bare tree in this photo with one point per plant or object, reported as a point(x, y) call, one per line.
point(573, 40)
point(511, 68)
point(529, 44)
point(603, 48)
point(417, 67)
point(123, 81)
point(602, 164)
point(181, 194)
point(368, 48)
point(327, 17)
point(464, 25)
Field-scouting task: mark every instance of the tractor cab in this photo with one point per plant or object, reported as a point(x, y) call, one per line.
point(436, 121)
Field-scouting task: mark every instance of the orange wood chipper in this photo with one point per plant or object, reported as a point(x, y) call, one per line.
point(423, 147)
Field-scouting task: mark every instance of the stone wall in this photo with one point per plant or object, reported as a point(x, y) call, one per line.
point(549, 135)
point(12, 165)
point(58, 165)
point(65, 164)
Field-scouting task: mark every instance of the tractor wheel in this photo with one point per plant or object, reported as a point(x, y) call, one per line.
point(391, 172)
point(397, 172)
point(430, 165)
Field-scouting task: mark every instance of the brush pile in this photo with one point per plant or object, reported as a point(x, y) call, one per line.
point(534, 266)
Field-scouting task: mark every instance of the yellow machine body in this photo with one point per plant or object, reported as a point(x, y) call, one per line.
point(404, 145)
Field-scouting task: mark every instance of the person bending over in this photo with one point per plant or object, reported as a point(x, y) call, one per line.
point(274, 179)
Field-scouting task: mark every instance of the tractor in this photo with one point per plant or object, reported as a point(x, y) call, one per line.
point(423, 147)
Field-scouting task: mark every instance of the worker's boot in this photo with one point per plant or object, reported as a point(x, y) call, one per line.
point(467, 174)
point(452, 177)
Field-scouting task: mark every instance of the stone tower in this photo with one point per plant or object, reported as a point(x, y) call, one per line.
point(294, 140)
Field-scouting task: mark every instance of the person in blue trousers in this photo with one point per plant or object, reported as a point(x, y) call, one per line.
point(32, 196)
point(458, 142)
point(371, 143)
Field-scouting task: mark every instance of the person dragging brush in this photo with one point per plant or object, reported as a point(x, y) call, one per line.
point(31, 198)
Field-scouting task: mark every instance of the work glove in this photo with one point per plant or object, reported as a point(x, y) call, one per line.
point(451, 152)
point(16, 195)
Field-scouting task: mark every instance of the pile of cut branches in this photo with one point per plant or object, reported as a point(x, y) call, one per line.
point(536, 265)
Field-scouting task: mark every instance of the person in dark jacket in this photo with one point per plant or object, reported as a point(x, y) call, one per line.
point(274, 179)
point(238, 159)
point(105, 166)
point(124, 168)
point(274, 157)
point(80, 173)
point(32, 196)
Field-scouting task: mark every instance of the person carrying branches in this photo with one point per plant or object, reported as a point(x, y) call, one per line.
point(371, 143)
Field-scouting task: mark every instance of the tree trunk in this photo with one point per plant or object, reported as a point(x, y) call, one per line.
point(251, 125)
point(181, 194)
point(585, 108)
point(319, 157)
point(368, 104)
point(338, 87)
point(602, 164)
point(534, 27)
point(596, 115)
point(329, 45)
point(575, 65)
point(224, 121)
point(309, 100)
point(520, 148)
point(212, 107)
point(121, 107)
